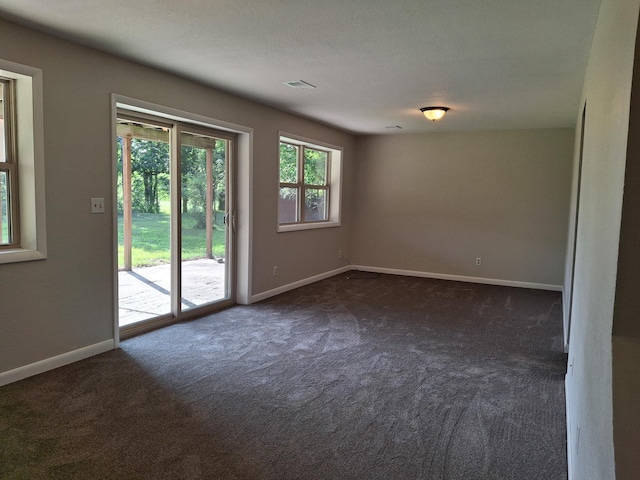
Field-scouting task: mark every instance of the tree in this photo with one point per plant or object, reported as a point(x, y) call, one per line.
point(150, 177)
point(220, 174)
point(288, 163)
point(191, 165)
point(194, 181)
point(149, 159)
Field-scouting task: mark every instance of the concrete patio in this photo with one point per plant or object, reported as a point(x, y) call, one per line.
point(144, 292)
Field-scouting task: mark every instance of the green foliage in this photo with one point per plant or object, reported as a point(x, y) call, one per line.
point(194, 189)
point(219, 178)
point(194, 181)
point(315, 167)
point(149, 175)
point(151, 242)
point(192, 164)
point(315, 171)
point(150, 192)
point(151, 181)
point(288, 163)
point(119, 190)
point(149, 159)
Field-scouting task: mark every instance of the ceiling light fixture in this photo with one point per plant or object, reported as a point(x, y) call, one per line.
point(434, 113)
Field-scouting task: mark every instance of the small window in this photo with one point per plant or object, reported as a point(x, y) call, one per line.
point(309, 186)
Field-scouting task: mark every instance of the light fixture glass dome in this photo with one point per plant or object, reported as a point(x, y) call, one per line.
point(434, 113)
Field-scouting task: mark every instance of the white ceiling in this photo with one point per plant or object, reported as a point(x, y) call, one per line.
point(498, 64)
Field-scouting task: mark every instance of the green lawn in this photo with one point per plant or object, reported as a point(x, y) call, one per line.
point(151, 239)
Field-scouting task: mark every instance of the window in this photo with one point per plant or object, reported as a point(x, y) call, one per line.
point(309, 186)
point(22, 212)
point(9, 231)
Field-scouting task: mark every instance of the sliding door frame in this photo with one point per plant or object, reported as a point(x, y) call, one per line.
point(176, 127)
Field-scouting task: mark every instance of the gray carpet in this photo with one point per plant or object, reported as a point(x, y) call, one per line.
point(350, 378)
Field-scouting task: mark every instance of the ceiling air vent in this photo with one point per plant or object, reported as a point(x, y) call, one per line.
point(299, 84)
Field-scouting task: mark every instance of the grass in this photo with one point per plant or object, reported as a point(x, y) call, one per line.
point(151, 239)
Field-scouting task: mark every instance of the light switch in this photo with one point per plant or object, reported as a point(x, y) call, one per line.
point(97, 205)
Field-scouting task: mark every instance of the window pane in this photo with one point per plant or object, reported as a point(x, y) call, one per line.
point(2, 116)
point(204, 235)
point(315, 167)
point(5, 210)
point(288, 163)
point(315, 205)
point(144, 221)
point(288, 205)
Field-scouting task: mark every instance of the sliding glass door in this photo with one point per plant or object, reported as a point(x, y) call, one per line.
point(175, 219)
point(205, 238)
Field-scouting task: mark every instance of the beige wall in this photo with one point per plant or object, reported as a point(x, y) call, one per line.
point(427, 203)
point(607, 90)
point(432, 203)
point(65, 302)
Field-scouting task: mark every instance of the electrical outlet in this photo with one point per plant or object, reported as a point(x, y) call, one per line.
point(339, 253)
point(275, 270)
point(478, 261)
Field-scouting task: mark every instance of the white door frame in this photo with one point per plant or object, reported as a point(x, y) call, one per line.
point(242, 212)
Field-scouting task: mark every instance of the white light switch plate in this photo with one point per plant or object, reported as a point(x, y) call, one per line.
point(97, 205)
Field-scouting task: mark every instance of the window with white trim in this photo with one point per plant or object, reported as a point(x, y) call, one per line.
point(9, 225)
point(309, 184)
point(22, 201)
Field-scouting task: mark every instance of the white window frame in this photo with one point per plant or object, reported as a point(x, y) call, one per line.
point(29, 145)
point(9, 165)
point(334, 182)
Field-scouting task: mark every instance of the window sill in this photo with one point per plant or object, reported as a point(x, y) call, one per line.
point(20, 255)
point(306, 226)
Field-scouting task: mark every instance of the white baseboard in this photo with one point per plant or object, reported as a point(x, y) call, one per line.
point(409, 273)
point(47, 364)
point(300, 283)
point(459, 278)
